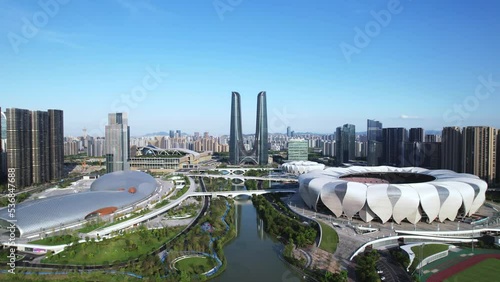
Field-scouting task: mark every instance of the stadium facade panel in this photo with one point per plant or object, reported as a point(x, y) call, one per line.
point(384, 193)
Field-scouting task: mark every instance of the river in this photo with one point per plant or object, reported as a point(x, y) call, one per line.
point(253, 254)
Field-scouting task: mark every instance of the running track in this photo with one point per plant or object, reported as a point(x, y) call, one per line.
point(447, 273)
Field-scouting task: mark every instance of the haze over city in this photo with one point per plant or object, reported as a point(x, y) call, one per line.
point(421, 67)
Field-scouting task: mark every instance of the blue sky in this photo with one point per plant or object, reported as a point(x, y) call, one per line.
point(421, 67)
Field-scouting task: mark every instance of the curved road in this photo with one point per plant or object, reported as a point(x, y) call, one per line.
point(393, 272)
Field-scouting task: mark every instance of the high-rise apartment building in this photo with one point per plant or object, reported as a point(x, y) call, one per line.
point(117, 142)
point(35, 145)
point(416, 135)
point(3, 145)
point(40, 146)
point(257, 154)
point(346, 143)
point(452, 149)
point(56, 143)
point(479, 151)
point(497, 156)
point(19, 156)
point(96, 147)
point(432, 138)
point(423, 154)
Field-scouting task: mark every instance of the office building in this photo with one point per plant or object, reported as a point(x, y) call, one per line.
point(117, 138)
point(239, 152)
point(375, 153)
point(298, 150)
point(452, 149)
point(394, 140)
point(416, 135)
point(288, 132)
point(374, 139)
point(346, 143)
point(361, 149)
point(374, 130)
point(479, 151)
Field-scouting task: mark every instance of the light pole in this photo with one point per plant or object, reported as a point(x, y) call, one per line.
point(472, 238)
point(421, 258)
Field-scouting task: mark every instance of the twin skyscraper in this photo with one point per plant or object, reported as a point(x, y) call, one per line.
point(258, 153)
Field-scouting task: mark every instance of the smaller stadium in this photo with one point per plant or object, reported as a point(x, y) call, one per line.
point(387, 193)
point(108, 194)
point(301, 167)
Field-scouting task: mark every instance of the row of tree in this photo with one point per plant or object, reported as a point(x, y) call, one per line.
point(366, 266)
point(282, 226)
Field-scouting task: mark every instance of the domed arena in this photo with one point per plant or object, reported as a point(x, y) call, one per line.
point(388, 193)
point(108, 194)
point(301, 167)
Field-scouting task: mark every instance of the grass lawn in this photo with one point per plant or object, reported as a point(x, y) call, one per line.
point(88, 227)
point(121, 248)
point(428, 250)
point(329, 240)
point(180, 193)
point(55, 240)
point(487, 270)
point(195, 265)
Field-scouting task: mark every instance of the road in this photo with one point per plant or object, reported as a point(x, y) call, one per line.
point(393, 272)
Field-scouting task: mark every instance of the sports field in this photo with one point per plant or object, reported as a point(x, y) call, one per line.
point(195, 265)
point(478, 268)
point(486, 270)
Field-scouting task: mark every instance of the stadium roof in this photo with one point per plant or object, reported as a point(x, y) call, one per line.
point(153, 150)
point(110, 190)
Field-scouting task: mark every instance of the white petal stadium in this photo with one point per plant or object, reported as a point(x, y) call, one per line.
point(301, 167)
point(384, 193)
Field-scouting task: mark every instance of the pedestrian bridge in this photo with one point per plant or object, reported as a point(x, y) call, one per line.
point(232, 194)
point(241, 170)
point(242, 178)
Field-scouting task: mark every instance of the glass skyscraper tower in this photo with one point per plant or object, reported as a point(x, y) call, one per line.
point(345, 140)
point(117, 142)
point(237, 152)
point(375, 145)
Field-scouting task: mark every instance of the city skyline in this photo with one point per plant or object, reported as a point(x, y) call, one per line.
point(431, 65)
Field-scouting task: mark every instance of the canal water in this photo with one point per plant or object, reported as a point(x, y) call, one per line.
point(253, 255)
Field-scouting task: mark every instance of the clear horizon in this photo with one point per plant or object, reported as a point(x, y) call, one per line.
point(173, 65)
